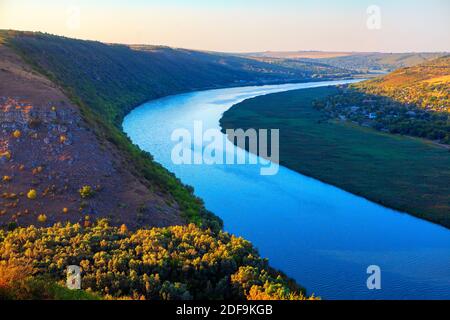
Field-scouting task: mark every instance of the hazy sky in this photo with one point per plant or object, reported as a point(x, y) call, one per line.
point(242, 25)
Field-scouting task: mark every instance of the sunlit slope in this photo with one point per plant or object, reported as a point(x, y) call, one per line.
point(174, 263)
point(426, 85)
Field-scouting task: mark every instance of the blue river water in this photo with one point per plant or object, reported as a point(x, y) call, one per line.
point(323, 237)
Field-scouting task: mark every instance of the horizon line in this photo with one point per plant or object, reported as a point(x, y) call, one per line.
point(230, 52)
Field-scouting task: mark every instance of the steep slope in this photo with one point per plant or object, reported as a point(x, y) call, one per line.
point(112, 79)
point(48, 153)
point(62, 159)
point(105, 81)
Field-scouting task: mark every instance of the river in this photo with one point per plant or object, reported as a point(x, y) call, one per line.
point(322, 236)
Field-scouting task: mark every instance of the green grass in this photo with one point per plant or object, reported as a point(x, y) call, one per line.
point(44, 288)
point(404, 173)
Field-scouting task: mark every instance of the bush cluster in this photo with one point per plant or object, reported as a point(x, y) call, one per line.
point(179, 262)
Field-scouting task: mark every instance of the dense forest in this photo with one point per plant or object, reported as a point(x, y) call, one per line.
point(173, 263)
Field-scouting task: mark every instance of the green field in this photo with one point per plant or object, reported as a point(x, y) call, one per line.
point(401, 172)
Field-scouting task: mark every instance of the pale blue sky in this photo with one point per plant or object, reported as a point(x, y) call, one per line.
point(241, 25)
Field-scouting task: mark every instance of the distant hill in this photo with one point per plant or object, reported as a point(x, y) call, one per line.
point(114, 78)
point(310, 68)
point(356, 61)
point(299, 54)
point(426, 85)
point(412, 101)
point(384, 62)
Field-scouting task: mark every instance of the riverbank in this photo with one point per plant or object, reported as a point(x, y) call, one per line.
point(320, 235)
point(404, 173)
point(57, 136)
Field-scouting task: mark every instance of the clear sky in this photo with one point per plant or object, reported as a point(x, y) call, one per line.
point(242, 25)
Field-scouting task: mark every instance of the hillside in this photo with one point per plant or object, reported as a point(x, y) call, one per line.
point(298, 54)
point(357, 61)
point(173, 263)
point(310, 68)
point(384, 62)
point(112, 79)
point(83, 167)
point(48, 153)
point(101, 83)
point(426, 85)
point(68, 173)
point(411, 101)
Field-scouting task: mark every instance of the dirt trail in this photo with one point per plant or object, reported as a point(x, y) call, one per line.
point(46, 147)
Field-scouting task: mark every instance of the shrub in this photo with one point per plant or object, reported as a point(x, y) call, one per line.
point(32, 194)
point(17, 134)
point(179, 262)
point(123, 229)
point(17, 283)
point(86, 192)
point(6, 155)
point(13, 277)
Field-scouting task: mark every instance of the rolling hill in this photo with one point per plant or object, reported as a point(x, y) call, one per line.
point(362, 62)
point(426, 85)
point(412, 101)
point(113, 79)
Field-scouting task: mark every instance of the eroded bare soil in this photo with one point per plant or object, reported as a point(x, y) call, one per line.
point(46, 147)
